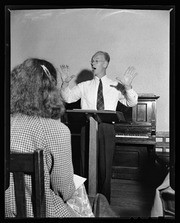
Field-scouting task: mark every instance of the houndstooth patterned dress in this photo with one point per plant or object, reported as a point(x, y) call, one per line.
point(29, 133)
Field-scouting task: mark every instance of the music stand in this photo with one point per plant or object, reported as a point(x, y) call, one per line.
point(80, 116)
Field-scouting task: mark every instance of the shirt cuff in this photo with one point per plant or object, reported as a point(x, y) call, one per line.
point(130, 91)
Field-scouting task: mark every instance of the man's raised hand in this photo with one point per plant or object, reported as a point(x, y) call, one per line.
point(128, 77)
point(65, 74)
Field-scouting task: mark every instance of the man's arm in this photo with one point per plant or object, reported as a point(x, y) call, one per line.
point(69, 95)
point(130, 98)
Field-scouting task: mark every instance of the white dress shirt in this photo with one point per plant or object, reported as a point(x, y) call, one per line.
point(87, 92)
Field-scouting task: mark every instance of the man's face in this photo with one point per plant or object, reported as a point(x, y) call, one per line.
point(98, 64)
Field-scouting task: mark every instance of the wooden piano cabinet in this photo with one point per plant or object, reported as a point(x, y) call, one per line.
point(131, 161)
point(133, 157)
point(145, 110)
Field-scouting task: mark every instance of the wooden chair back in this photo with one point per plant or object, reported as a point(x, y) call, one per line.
point(31, 164)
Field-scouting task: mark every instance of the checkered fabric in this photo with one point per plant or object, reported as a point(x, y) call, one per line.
point(100, 99)
point(29, 133)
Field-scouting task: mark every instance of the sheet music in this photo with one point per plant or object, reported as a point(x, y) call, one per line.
point(108, 116)
point(93, 111)
point(78, 181)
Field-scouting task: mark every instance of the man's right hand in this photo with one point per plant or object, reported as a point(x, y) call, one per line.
point(65, 75)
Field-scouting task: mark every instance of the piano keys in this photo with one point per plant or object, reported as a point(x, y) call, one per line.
point(135, 133)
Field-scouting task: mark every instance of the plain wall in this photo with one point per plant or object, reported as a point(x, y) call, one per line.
point(138, 38)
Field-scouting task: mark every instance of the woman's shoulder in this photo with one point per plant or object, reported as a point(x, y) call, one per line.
point(54, 124)
point(27, 120)
point(35, 122)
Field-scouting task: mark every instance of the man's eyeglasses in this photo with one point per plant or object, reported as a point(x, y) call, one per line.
point(96, 61)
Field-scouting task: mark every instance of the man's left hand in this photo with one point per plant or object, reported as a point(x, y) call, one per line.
point(127, 78)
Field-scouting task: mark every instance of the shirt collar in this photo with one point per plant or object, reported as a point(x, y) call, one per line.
point(104, 78)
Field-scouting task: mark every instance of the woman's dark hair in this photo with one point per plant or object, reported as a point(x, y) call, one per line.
point(34, 89)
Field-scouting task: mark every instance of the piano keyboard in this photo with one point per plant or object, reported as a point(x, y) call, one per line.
point(132, 136)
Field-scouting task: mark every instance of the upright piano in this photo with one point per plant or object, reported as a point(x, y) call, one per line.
point(135, 139)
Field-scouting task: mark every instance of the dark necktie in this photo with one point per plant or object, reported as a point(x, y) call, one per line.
point(100, 99)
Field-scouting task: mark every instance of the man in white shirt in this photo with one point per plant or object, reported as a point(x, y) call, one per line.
point(87, 91)
point(111, 92)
